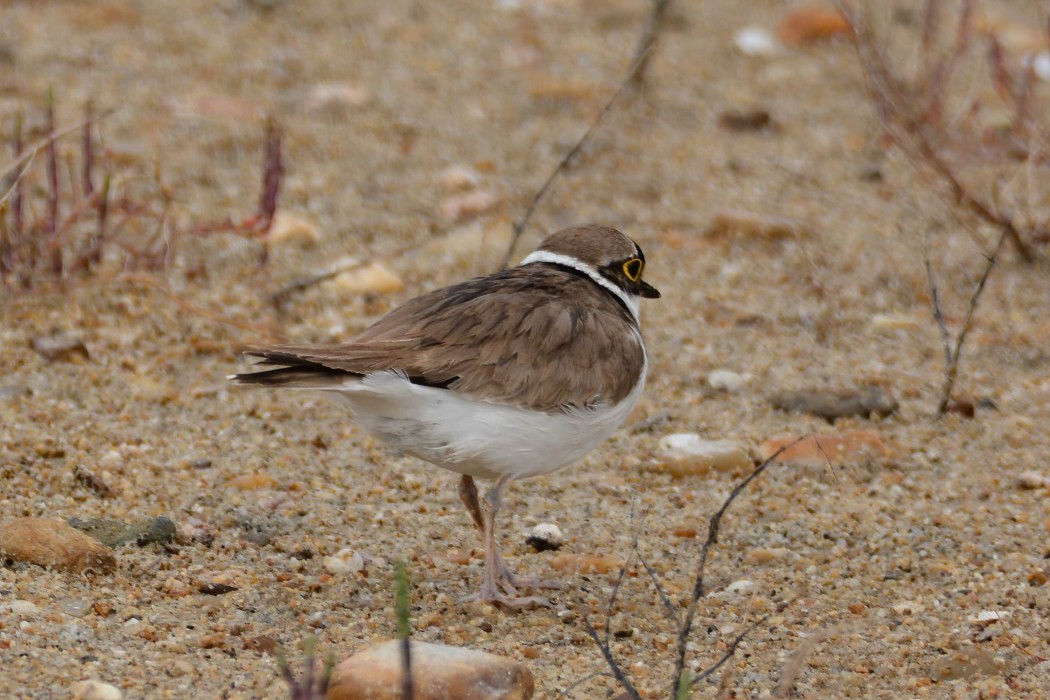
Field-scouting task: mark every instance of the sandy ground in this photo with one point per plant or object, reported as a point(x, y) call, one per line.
point(874, 571)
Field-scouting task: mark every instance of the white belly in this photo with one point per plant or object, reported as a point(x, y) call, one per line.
point(474, 437)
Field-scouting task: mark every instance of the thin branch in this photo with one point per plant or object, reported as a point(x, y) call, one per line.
point(17, 187)
point(654, 22)
point(938, 314)
point(664, 598)
point(636, 525)
point(26, 153)
point(520, 224)
point(600, 674)
point(617, 672)
point(87, 152)
point(729, 652)
point(712, 537)
point(952, 369)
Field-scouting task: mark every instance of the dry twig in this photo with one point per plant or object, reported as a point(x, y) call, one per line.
point(563, 164)
point(682, 681)
point(654, 22)
point(913, 113)
point(953, 353)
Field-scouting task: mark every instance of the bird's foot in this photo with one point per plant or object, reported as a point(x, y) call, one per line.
point(507, 601)
point(513, 580)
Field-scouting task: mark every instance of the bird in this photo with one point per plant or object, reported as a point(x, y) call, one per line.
point(502, 377)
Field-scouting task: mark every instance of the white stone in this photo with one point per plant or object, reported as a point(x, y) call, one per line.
point(727, 380)
point(687, 453)
point(345, 561)
point(23, 607)
point(756, 41)
point(111, 460)
point(986, 617)
point(95, 690)
point(548, 533)
point(740, 587)
point(1041, 65)
point(1033, 480)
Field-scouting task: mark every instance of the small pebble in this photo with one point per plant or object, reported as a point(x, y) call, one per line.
point(740, 587)
point(586, 563)
point(763, 227)
point(111, 460)
point(1041, 66)
point(60, 346)
point(895, 322)
point(544, 537)
point(292, 228)
point(986, 617)
point(756, 41)
point(687, 454)
point(766, 555)
point(253, 482)
point(345, 561)
point(1033, 480)
point(461, 207)
point(95, 690)
point(23, 607)
point(807, 24)
point(726, 380)
point(373, 277)
point(334, 94)
point(457, 178)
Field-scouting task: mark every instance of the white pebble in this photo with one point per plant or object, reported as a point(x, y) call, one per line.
point(688, 453)
point(111, 460)
point(23, 607)
point(548, 533)
point(740, 587)
point(727, 380)
point(986, 617)
point(1041, 66)
point(1033, 480)
point(345, 561)
point(95, 690)
point(756, 41)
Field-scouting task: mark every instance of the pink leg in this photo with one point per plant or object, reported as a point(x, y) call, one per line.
point(498, 584)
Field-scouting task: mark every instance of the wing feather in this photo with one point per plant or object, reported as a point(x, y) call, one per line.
point(545, 338)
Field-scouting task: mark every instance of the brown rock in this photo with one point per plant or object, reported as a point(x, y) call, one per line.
point(54, 544)
point(253, 482)
point(830, 405)
point(60, 346)
point(439, 673)
point(586, 563)
point(761, 227)
point(806, 24)
point(847, 447)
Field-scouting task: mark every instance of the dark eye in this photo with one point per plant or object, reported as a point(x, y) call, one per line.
point(633, 269)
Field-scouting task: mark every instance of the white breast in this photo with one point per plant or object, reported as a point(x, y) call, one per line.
point(474, 437)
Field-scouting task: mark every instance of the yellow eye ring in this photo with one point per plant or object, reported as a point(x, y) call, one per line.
point(633, 269)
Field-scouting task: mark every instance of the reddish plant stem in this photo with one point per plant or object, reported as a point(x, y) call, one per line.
point(52, 186)
point(87, 151)
point(103, 212)
point(273, 169)
point(17, 206)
